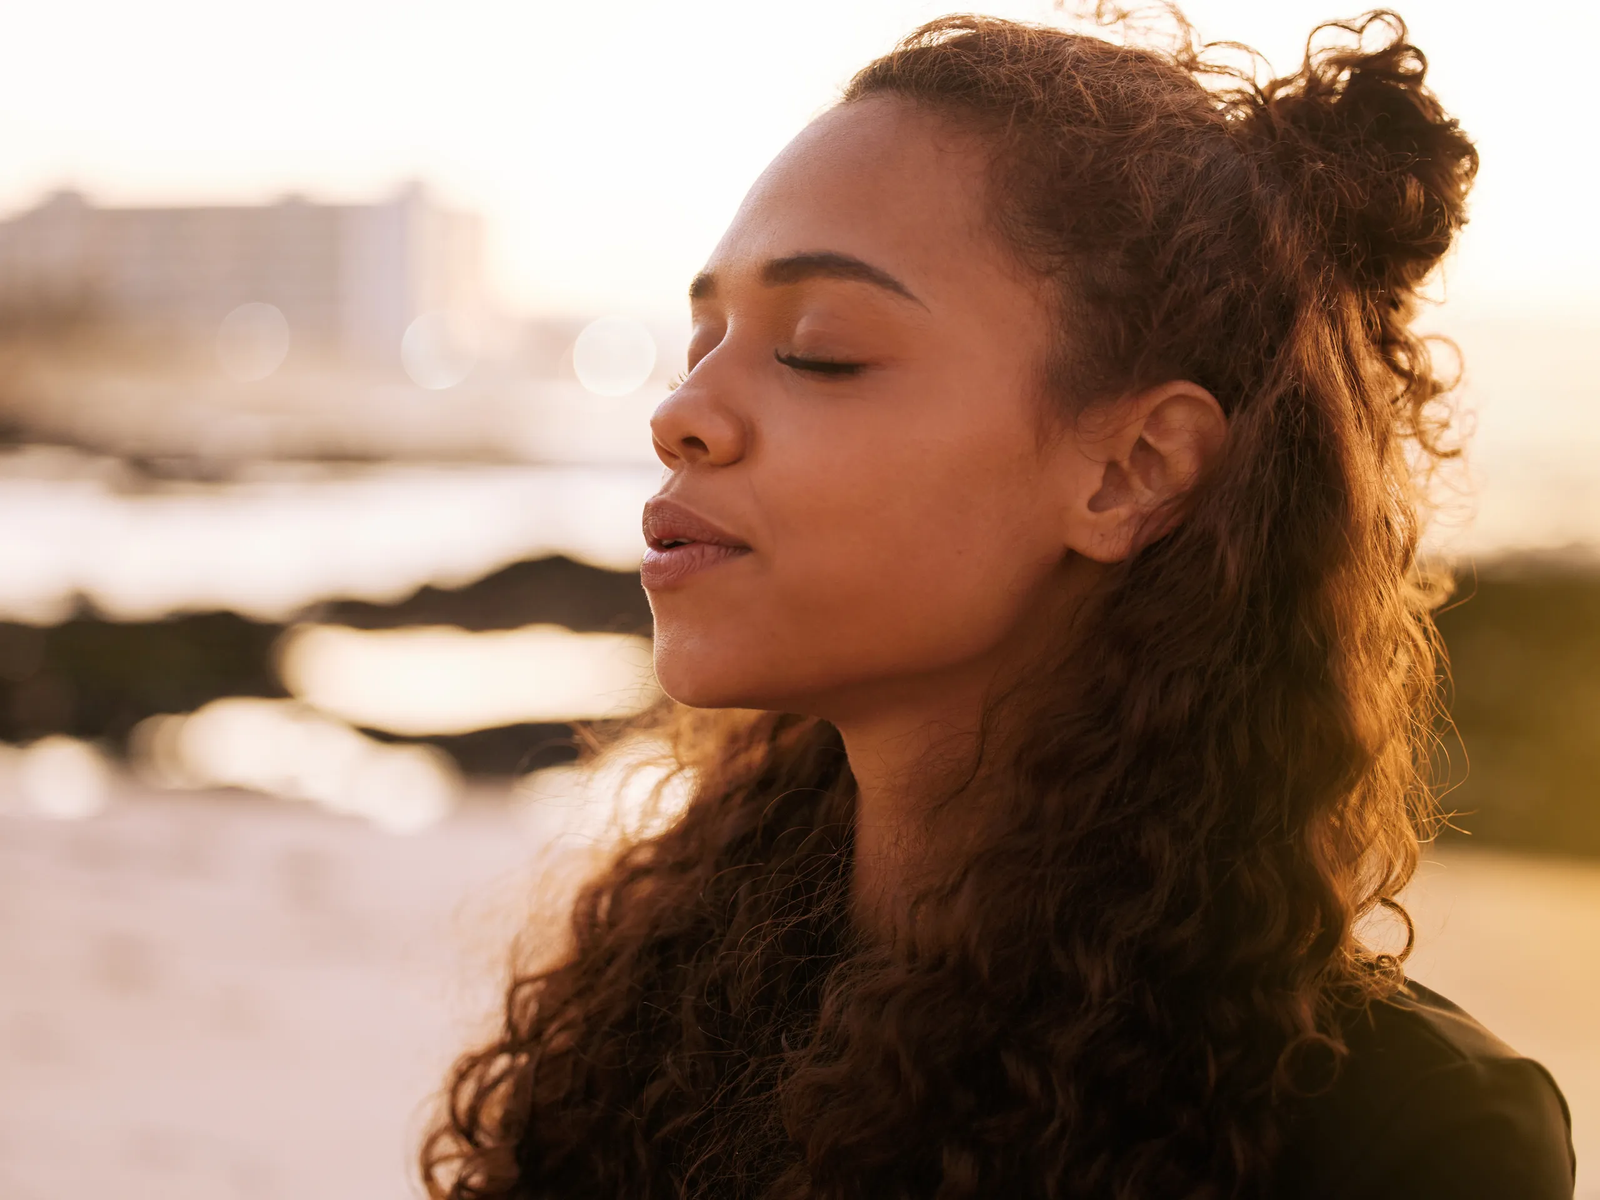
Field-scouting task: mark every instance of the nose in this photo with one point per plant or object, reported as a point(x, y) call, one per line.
point(693, 427)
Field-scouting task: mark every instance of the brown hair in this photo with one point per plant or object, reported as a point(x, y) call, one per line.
point(1147, 952)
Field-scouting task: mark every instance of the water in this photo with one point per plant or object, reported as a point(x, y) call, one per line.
point(288, 536)
point(285, 535)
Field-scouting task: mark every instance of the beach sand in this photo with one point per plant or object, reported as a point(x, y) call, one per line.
point(205, 997)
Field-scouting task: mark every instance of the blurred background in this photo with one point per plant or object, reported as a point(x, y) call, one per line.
point(329, 335)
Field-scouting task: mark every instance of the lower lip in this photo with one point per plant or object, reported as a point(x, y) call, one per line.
point(663, 568)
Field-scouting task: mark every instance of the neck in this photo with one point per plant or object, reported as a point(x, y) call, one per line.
point(904, 757)
point(911, 740)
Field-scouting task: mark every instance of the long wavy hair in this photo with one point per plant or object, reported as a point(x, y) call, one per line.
point(1191, 802)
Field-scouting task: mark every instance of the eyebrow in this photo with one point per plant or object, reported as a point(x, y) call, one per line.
point(815, 264)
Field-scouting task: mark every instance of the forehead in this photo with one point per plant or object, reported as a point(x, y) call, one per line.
point(884, 181)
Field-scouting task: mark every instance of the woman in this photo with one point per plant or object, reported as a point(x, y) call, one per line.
point(1035, 577)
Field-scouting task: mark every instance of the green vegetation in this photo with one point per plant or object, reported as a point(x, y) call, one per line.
point(1524, 758)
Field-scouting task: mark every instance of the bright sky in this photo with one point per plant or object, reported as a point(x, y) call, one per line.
point(608, 141)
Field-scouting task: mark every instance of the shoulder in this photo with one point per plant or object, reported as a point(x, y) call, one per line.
point(1430, 1103)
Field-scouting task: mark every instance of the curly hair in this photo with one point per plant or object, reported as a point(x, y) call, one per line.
point(1150, 948)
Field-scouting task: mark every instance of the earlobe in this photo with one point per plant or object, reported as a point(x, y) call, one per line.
point(1109, 523)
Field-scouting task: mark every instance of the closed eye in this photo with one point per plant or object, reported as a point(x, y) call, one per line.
point(818, 366)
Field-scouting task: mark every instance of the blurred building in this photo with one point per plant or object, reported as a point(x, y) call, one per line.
point(196, 340)
point(349, 278)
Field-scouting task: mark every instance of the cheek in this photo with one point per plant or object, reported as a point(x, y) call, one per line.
point(888, 554)
point(917, 551)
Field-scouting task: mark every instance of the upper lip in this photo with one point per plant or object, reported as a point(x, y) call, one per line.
point(668, 521)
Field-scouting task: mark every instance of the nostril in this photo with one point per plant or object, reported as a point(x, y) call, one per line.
point(692, 443)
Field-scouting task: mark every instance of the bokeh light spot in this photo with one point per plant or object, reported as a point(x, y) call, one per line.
point(614, 356)
point(252, 341)
point(64, 778)
point(437, 351)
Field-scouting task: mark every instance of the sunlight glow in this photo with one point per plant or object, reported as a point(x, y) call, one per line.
point(630, 792)
point(58, 777)
point(282, 748)
point(441, 680)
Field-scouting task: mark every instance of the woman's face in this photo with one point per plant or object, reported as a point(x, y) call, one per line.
point(860, 411)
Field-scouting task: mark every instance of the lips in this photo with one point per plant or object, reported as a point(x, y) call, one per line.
point(682, 543)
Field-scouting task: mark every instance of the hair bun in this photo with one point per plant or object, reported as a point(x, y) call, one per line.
point(1382, 169)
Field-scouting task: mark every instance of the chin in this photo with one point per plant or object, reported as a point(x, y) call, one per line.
point(703, 676)
point(700, 688)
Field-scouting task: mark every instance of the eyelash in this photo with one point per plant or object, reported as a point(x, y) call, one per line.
point(818, 366)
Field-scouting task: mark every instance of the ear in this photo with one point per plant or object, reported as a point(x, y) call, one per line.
point(1137, 457)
